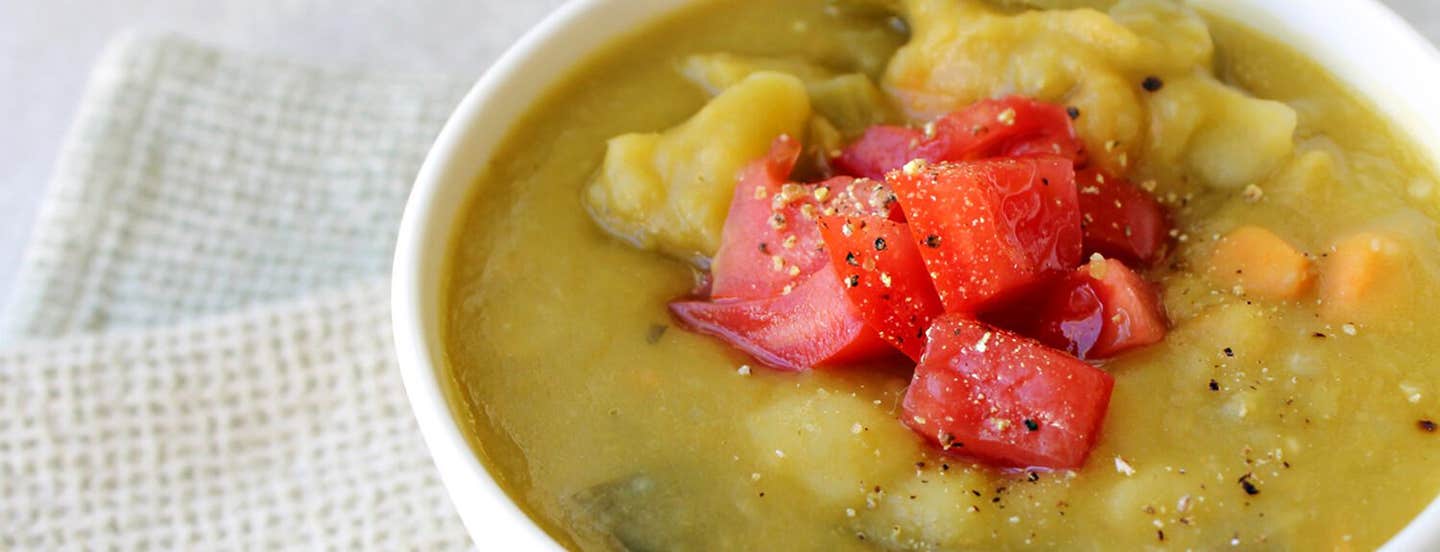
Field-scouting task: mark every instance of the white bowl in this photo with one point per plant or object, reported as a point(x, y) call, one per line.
point(1360, 41)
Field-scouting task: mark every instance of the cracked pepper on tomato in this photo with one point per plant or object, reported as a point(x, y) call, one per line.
point(926, 239)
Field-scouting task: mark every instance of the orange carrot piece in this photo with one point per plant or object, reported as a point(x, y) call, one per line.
point(1361, 267)
point(1260, 264)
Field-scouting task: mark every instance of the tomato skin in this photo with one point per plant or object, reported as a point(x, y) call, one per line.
point(814, 325)
point(1120, 220)
point(991, 395)
point(884, 276)
point(989, 230)
point(1011, 127)
point(1095, 312)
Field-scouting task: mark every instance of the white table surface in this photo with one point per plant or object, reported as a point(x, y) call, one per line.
point(48, 46)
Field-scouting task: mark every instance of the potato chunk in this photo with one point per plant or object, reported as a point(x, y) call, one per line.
point(671, 191)
point(1139, 76)
point(834, 445)
point(849, 101)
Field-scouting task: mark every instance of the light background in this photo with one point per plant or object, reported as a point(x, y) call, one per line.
point(48, 46)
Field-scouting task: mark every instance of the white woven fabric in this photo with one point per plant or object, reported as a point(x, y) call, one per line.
point(199, 354)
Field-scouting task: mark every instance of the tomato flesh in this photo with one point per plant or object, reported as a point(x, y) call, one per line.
point(771, 240)
point(1121, 221)
point(1010, 127)
point(991, 395)
point(1099, 311)
point(813, 325)
point(988, 230)
point(884, 276)
point(881, 149)
point(766, 244)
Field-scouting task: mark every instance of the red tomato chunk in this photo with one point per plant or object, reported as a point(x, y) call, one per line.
point(813, 325)
point(771, 239)
point(1011, 127)
point(1121, 221)
point(997, 397)
point(766, 244)
point(1099, 311)
point(989, 230)
point(884, 277)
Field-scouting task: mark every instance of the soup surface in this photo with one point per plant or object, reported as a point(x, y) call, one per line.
point(1259, 422)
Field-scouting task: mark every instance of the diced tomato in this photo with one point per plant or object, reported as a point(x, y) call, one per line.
point(766, 244)
point(995, 396)
point(885, 277)
point(988, 230)
point(1120, 220)
point(1100, 310)
point(811, 326)
point(770, 239)
point(881, 149)
point(1011, 127)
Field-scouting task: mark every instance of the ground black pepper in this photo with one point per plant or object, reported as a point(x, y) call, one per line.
point(1073, 112)
point(1152, 84)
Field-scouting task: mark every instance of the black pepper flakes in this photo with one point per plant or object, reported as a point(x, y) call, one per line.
point(1031, 425)
point(1427, 426)
point(932, 241)
point(851, 260)
point(765, 248)
point(1073, 112)
point(1214, 385)
point(852, 281)
point(1250, 488)
point(879, 244)
point(1033, 476)
point(1152, 84)
point(1229, 352)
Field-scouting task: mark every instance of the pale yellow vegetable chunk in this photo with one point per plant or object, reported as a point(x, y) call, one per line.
point(962, 51)
point(835, 446)
point(851, 102)
point(670, 191)
point(1256, 262)
point(1363, 276)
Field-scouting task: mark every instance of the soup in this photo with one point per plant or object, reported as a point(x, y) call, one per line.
point(1290, 408)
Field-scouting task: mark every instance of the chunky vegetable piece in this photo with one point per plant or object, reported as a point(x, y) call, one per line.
point(814, 325)
point(1012, 127)
point(771, 239)
point(1139, 76)
point(1121, 221)
point(768, 243)
point(1100, 310)
point(995, 396)
point(1364, 275)
point(671, 191)
point(990, 229)
point(850, 101)
point(1259, 263)
point(884, 277)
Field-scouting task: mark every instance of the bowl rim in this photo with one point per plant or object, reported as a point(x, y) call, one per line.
point(509, 87)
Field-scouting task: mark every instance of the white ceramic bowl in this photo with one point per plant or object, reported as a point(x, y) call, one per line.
point(1360, 41)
